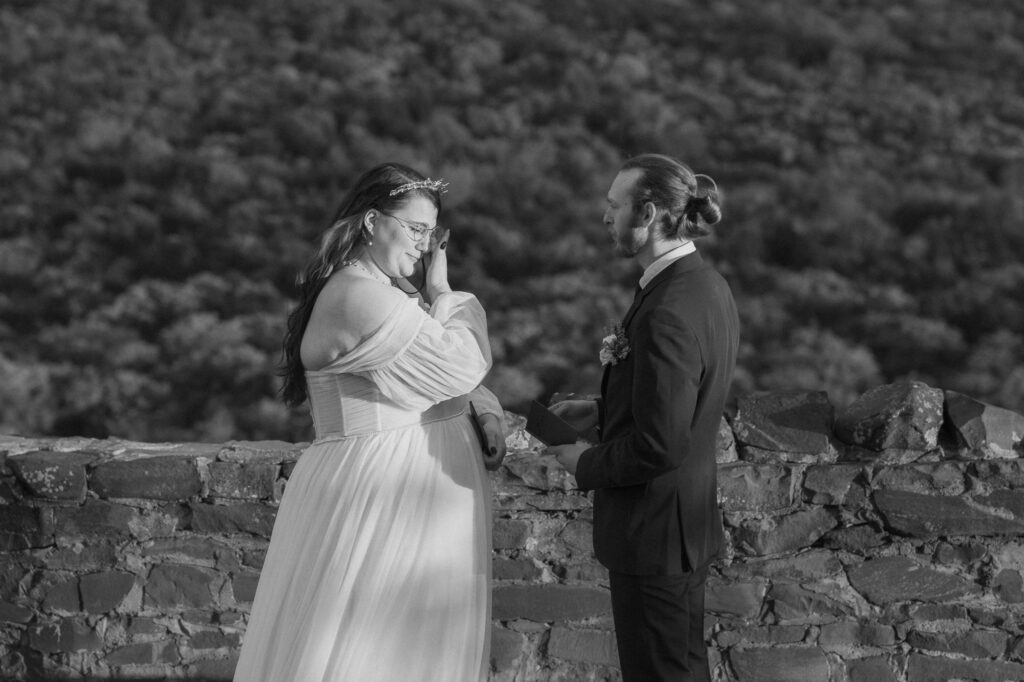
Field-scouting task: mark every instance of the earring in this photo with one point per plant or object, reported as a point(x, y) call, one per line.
point(368, 236)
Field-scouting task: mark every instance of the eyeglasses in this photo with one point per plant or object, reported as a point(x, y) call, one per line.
point(416, 232)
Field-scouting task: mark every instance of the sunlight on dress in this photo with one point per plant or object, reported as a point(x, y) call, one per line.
point(379, 564)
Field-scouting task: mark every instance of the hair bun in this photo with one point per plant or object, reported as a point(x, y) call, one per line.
point(704, 201)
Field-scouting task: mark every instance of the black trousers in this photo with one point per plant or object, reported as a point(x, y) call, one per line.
point(659, 627)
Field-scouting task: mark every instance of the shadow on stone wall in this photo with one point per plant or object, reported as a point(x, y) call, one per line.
point(880, 542)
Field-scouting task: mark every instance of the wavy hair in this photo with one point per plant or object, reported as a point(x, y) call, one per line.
point(690, 200)
point(342, 242)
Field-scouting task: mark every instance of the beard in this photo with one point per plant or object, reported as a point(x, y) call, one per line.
point(629, 243)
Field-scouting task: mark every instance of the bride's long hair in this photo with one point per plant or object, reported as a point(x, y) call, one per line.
point(343, 241)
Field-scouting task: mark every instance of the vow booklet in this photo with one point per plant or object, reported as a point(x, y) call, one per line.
point(548, 427)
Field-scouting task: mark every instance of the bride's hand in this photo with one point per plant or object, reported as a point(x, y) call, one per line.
point(495, 441)
point(436, 263)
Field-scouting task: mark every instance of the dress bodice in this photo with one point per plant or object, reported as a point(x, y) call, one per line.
point(349, 405)
point(416, 368)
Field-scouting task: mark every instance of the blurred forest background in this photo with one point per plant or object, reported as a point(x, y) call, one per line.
point(166, 168)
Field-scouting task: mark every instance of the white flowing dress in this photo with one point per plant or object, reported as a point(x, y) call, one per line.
point(379, 563)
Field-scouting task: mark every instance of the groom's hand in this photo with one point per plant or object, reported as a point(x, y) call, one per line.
point(568, 455)
point(579, 414)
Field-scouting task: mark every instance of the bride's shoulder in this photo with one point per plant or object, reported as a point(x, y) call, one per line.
point(359, 303)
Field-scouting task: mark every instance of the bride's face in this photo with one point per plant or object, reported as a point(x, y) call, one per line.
point(402, 235)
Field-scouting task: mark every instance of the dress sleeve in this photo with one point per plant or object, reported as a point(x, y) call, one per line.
point(426, 358)
point(487, 403)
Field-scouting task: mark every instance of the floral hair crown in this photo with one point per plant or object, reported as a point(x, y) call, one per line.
point(439, 186)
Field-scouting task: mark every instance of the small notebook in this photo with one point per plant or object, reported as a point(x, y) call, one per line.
point(548, 427)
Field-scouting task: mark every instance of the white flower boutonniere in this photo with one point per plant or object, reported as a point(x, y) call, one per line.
point(615, 346)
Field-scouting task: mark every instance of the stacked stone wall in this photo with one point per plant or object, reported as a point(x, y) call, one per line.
point(880, 542)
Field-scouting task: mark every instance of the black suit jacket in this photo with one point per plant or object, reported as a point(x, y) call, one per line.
point(656, 505)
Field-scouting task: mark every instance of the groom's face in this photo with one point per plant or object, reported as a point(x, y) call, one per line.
point(628, 233)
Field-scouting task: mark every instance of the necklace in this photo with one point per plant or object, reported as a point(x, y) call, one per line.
point(377, 276)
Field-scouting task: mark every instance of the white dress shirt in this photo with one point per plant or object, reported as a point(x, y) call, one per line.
point(664, 260)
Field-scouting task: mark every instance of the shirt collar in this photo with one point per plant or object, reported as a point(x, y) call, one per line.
point(664, 260)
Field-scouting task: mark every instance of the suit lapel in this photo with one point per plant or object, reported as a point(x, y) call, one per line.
point(685, 264)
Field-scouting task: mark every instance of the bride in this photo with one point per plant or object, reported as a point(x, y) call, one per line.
point(379, 563)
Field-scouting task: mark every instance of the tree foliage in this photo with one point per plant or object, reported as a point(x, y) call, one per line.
point(165, 169)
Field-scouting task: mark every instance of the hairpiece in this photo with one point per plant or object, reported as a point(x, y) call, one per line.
point(439, 186)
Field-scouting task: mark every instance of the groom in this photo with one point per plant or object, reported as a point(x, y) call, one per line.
point(657, 525)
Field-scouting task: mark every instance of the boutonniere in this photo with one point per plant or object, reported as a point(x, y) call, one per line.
point(615, 346)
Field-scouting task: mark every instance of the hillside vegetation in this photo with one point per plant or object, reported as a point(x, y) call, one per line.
point(166, 167)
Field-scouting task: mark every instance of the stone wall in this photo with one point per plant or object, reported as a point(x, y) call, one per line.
point(880, 542)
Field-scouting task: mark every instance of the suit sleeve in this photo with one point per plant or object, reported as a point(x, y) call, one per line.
point(666, 377)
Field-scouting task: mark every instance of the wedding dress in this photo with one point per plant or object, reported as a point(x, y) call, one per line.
point(379, 564)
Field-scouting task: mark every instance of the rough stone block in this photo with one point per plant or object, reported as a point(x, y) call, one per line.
point(514, 569)
point(812, 564)
point(273, 451)
point(145, 653)
point(71, 634)
point(249, 480)
point(973, 643)
point(103, 592)
point(789, 533)
point(578, 535)
point(549, 603)
point(944, 478)
point(52, 475)
point(851, 634)
point(858, 539)
point(797, 604)
point(923, 668)
point(993, 431)
point(255, 519)
point(887, 580)
point(506, 650)
point(93, 518)
point(63, 596)
point(243, 585)
point(742, 599)
point(211, 669)
point(213, 639)
point(830, 483)
point(541, 472)
point(930, 516)
point(785, 426)
point(173, 587)
point(906, 415)
point(872, 669)
point(141, 625)
point(25, 528)
point(195, 549)
point(586, 646)
point(510, 533)
point(791, 663)
point(725, 444)
point(13, 613)
point(79, 557)
point(755, 487)
point(166, 477)
point(1007, 585)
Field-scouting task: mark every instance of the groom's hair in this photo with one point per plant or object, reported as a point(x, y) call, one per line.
point(690, 206)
